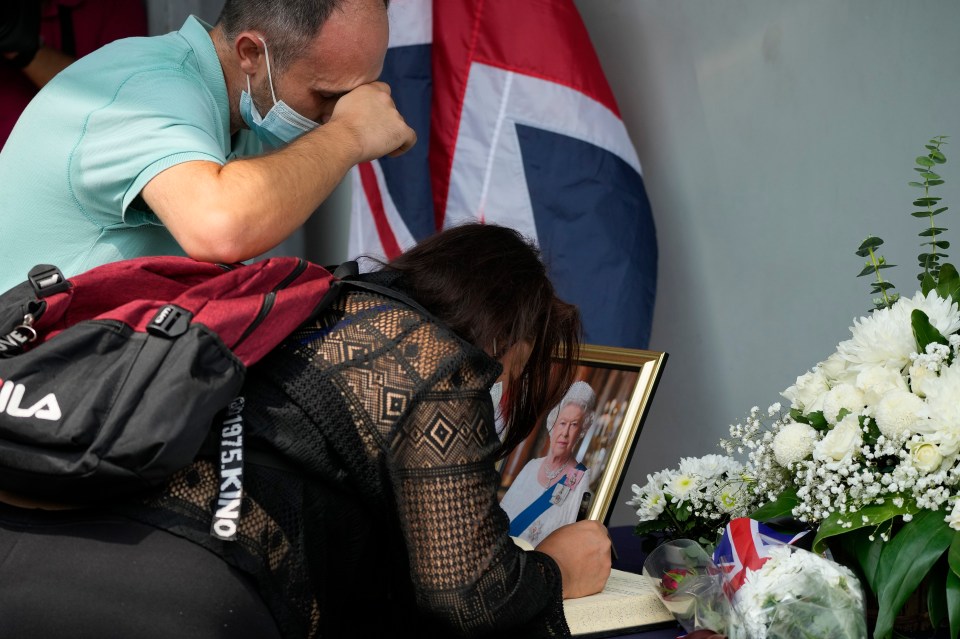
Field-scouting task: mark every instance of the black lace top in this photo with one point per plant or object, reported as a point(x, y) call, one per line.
point(383, 497)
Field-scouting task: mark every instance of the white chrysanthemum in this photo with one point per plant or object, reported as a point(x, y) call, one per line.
point(731, 496)
point(943, 408)
point(649, 500)
point(841, 442)
point(877, 381)
point(898, 412)
point(842, 396)
point(885, 337)
point(710, 466)
point(794, 442)
point(681, 485)
point(807, 393)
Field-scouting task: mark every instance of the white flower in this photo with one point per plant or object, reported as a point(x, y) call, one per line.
point(649, 500)
point(925, 457)
point(681, 485)
point(842, 441)
point(731, 496)
point(920, 379)
point(842, 396)
point(837, 370)
point(709, 466)
point(898, 412)
point(943, 408)
point(954, 517)
point(794, 442)
point(885, 337)
point(807, 393)
point(877, 381)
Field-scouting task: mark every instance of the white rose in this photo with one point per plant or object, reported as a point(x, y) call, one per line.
point(898, 412)
point(807, 393)
point(841, 441)
point(877, 381)
point(794, 442)
point(842, 396)
point(836, 369)
point(925, 457)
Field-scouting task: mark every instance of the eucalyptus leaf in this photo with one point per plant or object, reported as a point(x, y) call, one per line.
point(943, 244)
point(934, 182)
point(937, 157)
point(930, 175)
point(925, 161)
point(926, 201)
point(919, 185)
point(867, 270)
point(940, 210)
point(870, 242)
point(936, 230)
point(905, 560)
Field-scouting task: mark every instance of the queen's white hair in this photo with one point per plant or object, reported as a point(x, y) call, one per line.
point(580, 394)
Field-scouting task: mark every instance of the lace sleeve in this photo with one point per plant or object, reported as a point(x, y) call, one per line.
point(466, 570)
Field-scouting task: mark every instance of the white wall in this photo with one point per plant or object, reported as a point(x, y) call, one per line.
point(774, 135)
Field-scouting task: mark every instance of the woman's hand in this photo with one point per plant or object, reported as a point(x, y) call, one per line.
point(582, 551)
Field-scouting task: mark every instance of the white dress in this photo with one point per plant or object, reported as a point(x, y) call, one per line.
point(525, 489)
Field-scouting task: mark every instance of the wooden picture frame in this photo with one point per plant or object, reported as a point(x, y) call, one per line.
point(624, 381)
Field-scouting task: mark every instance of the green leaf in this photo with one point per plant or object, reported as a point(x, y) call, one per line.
point(930, 175)
point(948, 282)
point(867, 270)
point(922, 213)
point(927, 284)
point(925, 161)
point(867, 517)
point(936, 230)
point(937, 594)
point(943, 244)
point(782, 506)
point(926, 201)
point(870, 242)
point(953, 557)
point(818, 421)
point(934, 182)
point(938, 157)
point(919, 185)
point(880, 266)
point(953, 603)
point(905, 560)
point(924, 331)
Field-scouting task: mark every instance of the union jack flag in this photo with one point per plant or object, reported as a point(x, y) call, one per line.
point(516, 126)
point(745, 545)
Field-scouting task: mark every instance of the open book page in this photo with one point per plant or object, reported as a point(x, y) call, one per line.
point(627, 601)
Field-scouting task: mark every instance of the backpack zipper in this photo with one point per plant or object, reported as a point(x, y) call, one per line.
point(269, 298)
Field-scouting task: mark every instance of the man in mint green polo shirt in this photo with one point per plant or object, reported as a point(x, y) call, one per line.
point(203, 142)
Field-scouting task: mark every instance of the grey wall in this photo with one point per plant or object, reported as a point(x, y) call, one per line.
point(774, 135)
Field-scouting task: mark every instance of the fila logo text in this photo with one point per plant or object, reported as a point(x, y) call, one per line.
point(11, 399)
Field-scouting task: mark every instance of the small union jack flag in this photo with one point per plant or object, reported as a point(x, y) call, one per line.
point(745, 545)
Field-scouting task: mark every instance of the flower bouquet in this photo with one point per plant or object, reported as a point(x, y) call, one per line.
point(757, 586)
point(867, 452)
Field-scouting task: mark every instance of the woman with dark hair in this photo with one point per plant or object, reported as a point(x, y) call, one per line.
point(369, 473)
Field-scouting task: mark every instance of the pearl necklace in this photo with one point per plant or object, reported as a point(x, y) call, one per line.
point(552, 474)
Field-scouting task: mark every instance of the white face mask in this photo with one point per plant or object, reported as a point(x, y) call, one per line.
point(496, 394)
point(282, 124)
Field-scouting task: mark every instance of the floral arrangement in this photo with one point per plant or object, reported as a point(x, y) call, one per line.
point(867, 453)
point(781, 591)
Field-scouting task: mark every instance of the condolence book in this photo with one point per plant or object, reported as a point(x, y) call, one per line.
point(628, 603)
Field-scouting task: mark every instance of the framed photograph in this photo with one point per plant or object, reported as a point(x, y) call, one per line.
point(571, 465)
